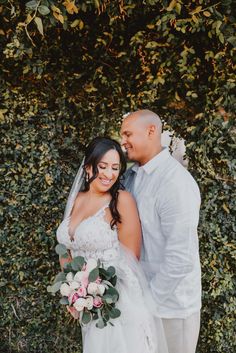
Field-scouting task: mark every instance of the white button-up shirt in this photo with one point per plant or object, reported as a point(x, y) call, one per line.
point(168, 201)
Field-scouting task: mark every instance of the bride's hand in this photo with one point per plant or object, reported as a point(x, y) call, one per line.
point(73, 312)
point(64, 260)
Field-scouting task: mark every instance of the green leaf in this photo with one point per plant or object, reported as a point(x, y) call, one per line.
point(39, 24)
point(108, 299)
point(171, 5)
point(112, 291)
point(61, 249)
point(64, 301)
point(86, 318)
point(55, 287)
point(101, 323)
point(44, 10)
point(67, 267)
point(93, 275)
point(32, 5)
point(221, 38)
point(114, 313)
point(60, 277)
point(77, 263)
point(232, 41)
point(111, 270)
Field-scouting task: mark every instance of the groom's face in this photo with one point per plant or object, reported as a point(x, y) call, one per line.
point(134, 139)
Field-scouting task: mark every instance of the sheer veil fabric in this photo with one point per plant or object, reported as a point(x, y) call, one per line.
point(138, 329)
point(76, 187)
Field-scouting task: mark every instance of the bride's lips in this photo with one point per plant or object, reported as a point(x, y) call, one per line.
point(105, 181)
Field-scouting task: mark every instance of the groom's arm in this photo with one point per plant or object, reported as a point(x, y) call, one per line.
point(178, 210)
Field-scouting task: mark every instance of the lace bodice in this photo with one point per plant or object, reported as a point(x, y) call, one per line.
point(93, 238)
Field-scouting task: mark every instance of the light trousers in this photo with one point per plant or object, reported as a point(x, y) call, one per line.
point(182, 334)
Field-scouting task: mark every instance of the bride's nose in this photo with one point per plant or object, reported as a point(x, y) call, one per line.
point(108, 173)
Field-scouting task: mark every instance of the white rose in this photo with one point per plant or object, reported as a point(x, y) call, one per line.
point(92, 288)
point(74, 285)
point(91, 264)
point(89, 303)
point(80, 304)
point(78, 276)
point(65, 290)
point(69, 277)
point(101, 289)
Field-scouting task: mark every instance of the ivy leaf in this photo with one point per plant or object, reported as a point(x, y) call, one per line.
point(32, 5)
point(44, 10)
point(39, 24)
point(171, 5)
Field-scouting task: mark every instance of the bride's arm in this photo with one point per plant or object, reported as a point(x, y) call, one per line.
point(129, 230)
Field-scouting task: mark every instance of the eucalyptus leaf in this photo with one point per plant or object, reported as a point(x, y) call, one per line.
point(93, 275)
point(77, 263)
point(100, 323)
point(86, 318)
point(60, 277)
point(114, 313)
point(55, 287)
point(64, 301)
point(61, 249)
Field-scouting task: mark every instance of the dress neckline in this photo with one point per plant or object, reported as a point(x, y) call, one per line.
point(85, 219)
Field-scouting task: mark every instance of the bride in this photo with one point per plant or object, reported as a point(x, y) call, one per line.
point(101, 221)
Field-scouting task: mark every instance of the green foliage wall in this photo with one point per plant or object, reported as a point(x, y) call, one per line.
point(69, 70)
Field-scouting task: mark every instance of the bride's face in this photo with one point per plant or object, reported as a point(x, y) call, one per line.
point(108, 171)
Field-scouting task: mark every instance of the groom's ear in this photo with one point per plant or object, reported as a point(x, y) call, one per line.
point(152, 130)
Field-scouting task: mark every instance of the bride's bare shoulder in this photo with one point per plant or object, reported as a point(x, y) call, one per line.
point(125, 198)
point(79, 198)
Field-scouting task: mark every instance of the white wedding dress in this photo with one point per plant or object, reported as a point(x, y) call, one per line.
point(136, 330)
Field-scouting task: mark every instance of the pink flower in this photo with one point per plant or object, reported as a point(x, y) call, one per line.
point(97, 302)
point(81, 291)
point(73, 297)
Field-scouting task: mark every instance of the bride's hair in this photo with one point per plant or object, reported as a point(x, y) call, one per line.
point(93, 154)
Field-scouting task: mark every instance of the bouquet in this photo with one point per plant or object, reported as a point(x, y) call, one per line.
point(87, 289)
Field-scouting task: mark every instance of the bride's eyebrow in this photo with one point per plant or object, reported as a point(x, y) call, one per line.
point(112, 163)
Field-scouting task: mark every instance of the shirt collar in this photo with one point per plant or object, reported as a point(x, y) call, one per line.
point(154, 163)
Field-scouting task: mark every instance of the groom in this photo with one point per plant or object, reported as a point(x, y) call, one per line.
point(168, 200)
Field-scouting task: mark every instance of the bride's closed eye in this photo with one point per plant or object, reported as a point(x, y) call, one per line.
point(102, 166)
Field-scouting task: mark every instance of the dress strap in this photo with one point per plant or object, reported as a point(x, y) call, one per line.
point(102, 210)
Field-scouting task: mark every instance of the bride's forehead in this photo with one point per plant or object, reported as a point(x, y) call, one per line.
point(111, 156)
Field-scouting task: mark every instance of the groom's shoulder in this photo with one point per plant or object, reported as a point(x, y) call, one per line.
point(130, 170)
